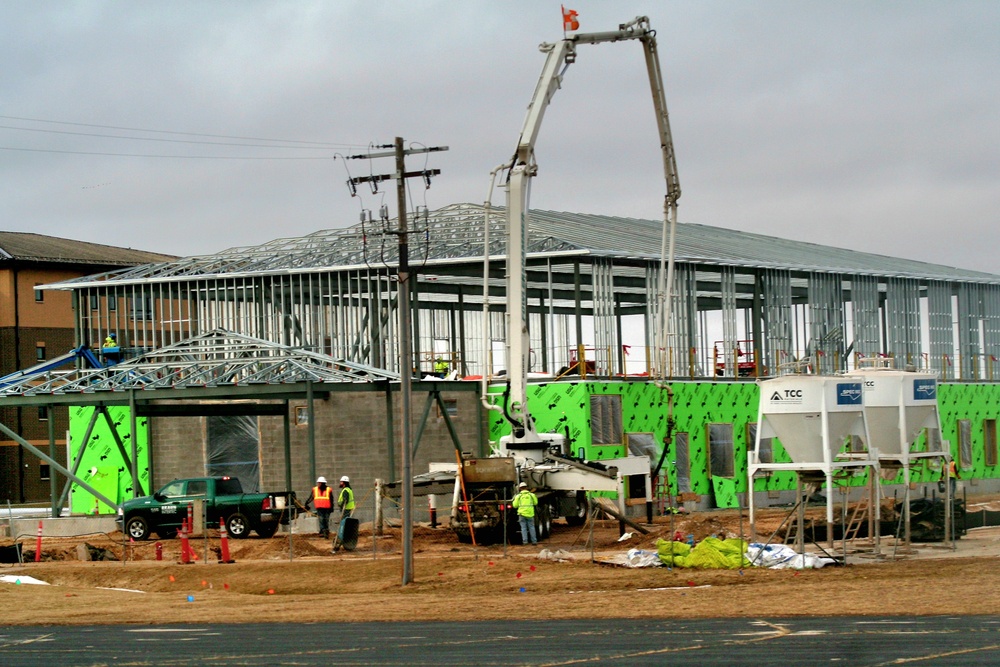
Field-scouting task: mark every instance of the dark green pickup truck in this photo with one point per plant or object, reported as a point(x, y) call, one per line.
point(164, 511)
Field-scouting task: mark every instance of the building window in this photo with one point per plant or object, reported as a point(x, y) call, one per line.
point(39, 295)
point(450, 407)
point(94, 302)
point(142, 308)
point(643, 444)
point(990, 441)
point(40, 351)
point(720, 450)
point(43, 414)
point(43, 471)
point(606, 419)
point(765, 452)
point(965, 443)
point(112, 302)
point(932, 439)
point(682, 457)
point(301, 415)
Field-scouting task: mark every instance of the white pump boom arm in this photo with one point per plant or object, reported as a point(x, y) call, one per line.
point(523, 167)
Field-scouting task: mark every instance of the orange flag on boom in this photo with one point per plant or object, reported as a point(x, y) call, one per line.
point(570, 19)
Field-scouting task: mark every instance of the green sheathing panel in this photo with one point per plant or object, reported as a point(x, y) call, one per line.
point(565, 407)
point(976, 402)
point(102, 465)
point(698, 404)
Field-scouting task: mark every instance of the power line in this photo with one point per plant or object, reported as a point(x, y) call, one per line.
point(187, 134)
point(324, 147)
point(150, 155)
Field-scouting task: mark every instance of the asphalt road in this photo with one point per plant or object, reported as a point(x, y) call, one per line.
point(799, 642)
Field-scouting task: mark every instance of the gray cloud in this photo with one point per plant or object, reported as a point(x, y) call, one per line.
point(865, 125)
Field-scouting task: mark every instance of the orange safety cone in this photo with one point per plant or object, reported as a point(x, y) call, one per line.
point(38, 544)
point(185, 545)
point(224, 543)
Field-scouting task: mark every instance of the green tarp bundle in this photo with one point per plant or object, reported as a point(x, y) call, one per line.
point(710, 553)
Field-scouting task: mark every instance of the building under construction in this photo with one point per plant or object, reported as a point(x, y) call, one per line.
point(744, 306)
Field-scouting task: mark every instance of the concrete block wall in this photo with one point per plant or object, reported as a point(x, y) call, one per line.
point(177, 448)
point(350, 439)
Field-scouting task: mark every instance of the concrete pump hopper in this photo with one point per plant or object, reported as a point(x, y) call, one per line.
point(811, 415)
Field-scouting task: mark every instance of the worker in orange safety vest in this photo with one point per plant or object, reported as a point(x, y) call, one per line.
point(322, 501)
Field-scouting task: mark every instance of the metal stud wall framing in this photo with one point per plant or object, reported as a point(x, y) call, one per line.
point(865, 326)
point(777, 298)
point(826, 322)
point(940, 329)
point(991, 330)
point(902, 315)
point(730, 336)
point(605, 332)
point(324, 293)
point(969, 316)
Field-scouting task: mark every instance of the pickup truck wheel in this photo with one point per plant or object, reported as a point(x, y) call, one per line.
point(137, 528)
point(268, 529)
point(237, 526)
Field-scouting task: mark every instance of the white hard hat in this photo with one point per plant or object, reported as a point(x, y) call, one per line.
point(345, 478)
point(321, 480)
point(522, 485)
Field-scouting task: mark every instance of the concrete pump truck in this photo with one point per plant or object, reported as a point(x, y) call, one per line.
point(485, 486)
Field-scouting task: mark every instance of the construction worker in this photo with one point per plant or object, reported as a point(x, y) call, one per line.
point(112, 353)
point(322, 501)
point(953, 475)
point(440, 367)
point(525, 502)
point(346, 498)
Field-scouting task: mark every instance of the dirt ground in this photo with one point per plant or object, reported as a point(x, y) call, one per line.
point(287, 579)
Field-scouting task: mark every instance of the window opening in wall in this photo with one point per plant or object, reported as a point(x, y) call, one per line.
point(43, 414)
point(932, 439)
point(301, 415)
point(40, 351)
point(682, 456)
point(606, 419)
point(965, 443)
point(765, 453)
point(43, 471)
point(112, 302)
point(94, 302)
point(643, 444)
point(142, 308)
point(39, 295)
point(990, 441)
point(450, 406)
point(720, 450)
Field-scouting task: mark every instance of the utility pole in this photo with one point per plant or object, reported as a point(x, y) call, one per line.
point(405, 334)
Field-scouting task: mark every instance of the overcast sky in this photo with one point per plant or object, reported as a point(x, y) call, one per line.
point(191, 127)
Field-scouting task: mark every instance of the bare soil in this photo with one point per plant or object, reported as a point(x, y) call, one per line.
point(288, 579)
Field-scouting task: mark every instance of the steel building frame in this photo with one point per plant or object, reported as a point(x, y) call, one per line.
point(334, 293)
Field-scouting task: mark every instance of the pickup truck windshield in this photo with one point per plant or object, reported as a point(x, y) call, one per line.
point(225, 487)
